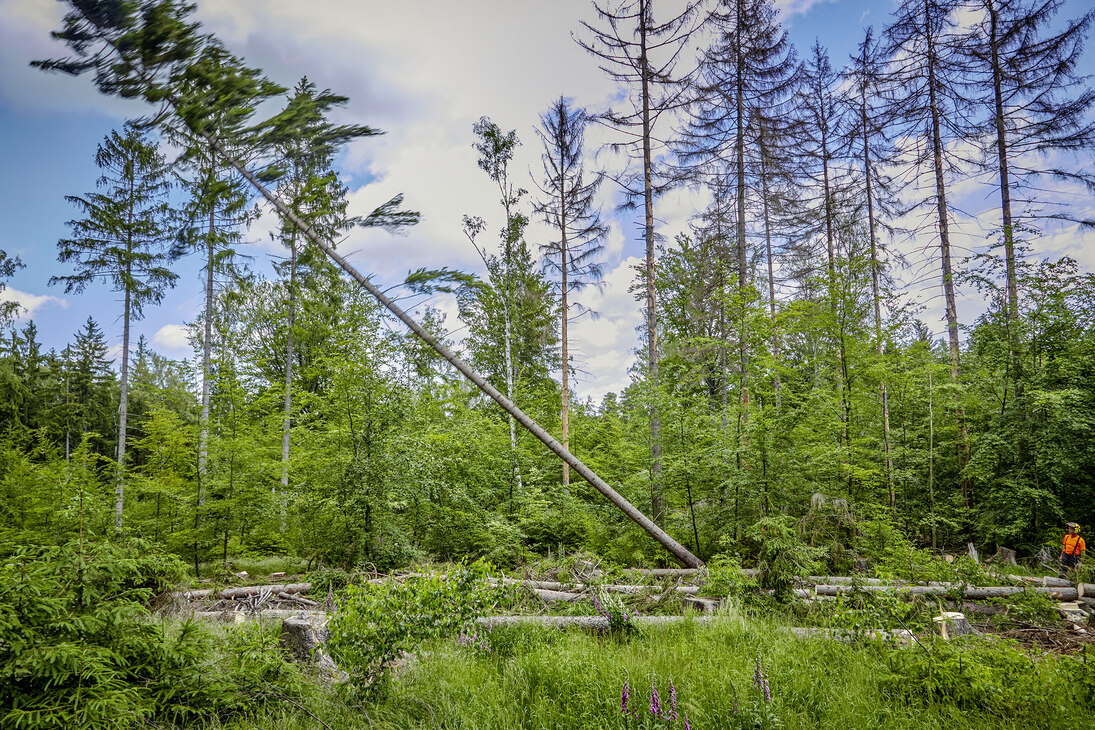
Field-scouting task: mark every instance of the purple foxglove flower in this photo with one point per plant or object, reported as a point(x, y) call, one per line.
point(655, 705)
point(625, 695)
point(687, 725)
point(672, 701)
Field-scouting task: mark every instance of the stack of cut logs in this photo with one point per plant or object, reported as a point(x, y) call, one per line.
point(811, 588)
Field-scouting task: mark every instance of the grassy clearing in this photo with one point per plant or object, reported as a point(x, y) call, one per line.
point(546, 679)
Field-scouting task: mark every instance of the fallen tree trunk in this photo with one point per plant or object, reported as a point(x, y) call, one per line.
point(665, 572)
point(549, 595)
point(249, 591)
point(1059, 594)
point(549, 585)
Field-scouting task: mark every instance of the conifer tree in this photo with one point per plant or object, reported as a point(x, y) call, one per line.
point(640, 54)
point(123, 239)
point(746, 72)
point(1034, 104)
point(927, 65)
point(873, 153)
point(567, 206)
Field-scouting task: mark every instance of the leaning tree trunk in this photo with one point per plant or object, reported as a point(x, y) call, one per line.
point(678, 550)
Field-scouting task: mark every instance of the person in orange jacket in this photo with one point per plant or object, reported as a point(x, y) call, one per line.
point(1072, 547)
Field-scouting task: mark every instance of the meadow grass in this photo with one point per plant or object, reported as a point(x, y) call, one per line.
point(546, 679)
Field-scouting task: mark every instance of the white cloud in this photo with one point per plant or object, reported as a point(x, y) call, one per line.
point(30, 304)
point(172, 337)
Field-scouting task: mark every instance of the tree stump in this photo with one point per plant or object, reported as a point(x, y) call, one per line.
point(973, 552)
point(1005, 555)
point(950, 624)
point(305, 643)
point(862, 565)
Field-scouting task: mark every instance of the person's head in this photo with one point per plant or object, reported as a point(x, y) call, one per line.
point(1073, 528)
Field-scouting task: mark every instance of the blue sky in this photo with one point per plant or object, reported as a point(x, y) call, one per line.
point(424, 71)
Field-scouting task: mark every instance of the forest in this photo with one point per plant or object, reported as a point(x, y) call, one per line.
point(789, 410)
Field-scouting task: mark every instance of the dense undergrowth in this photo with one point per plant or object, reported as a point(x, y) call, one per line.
point(545, 678)
point(80, 649)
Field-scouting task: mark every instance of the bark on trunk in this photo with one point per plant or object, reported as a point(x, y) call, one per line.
point(286, 419)
point(657, 499)
point(876, 269)
point(123, 410)
point(207, 340)
point(945, 256)
point(655, 531)
point(1005, 193)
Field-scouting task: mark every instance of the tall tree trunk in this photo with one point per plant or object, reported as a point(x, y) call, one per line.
point(771, 275)
point(207, 340)
point(743, 268)
point(1005, 193)
point(945, 256)
point(565, 410)
point(876, 296)
point(123, 408)
point(286, 419)
point(657, 497)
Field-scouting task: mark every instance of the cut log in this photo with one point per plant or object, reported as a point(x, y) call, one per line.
point(1085, 589)
point(600, 623)
point(665, 572)
point(950, 624)
point(901, 636)
point(1042, 580)
point(548, 595)
point(592, 623)
point(1071, 611)
point(841, 579)
point(1059, 594)
point(249, 591)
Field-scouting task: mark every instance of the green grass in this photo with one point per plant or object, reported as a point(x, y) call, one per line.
point(545, 679)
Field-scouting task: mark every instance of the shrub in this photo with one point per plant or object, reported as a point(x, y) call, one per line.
point(76, 649)
point(378, 622)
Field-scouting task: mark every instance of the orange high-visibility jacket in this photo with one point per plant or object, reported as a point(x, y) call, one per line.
point(1073, 544)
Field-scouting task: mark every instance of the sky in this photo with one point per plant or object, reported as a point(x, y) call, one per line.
point(424, 71)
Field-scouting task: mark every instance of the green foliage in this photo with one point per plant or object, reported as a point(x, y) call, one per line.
point(378, 622)
point(78, 650)
point(994, 678)
point(781, 554)
point(725, 578)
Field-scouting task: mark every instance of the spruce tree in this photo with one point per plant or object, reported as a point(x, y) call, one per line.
point(746, 72)
point(640, 54)
point(1034, 103)
point(567, 206)
point(123, 239)
point(927, 65)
